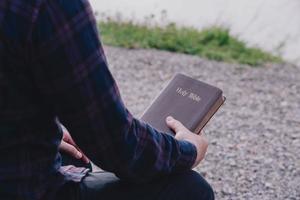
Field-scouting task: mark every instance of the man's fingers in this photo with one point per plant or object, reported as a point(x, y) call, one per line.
point(85, 159)
point(67, 137)
point(73, 151)
point(69, 146)
point(174, 124)
point(70, 149)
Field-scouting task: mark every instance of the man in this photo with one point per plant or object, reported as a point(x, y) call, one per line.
point(53, 70)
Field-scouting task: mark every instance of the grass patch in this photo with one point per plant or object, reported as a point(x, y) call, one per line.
point(214, 43)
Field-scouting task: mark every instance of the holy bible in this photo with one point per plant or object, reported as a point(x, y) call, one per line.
point(188, 100)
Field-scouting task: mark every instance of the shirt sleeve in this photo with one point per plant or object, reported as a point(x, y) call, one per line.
point(72, 76)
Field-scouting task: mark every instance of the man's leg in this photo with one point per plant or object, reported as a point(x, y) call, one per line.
point(188, 185)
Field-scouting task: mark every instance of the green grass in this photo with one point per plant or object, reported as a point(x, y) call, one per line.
point(214, 43)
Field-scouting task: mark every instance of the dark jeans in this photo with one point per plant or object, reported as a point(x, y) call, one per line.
point(187, 185)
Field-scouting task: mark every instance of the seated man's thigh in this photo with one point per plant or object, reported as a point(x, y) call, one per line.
point(188, 185)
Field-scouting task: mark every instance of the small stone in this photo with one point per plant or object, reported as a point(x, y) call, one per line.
point(227, 190)
point(268, 185)
point(284, 104)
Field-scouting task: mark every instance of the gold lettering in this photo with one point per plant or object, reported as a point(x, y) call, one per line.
point(191, 95)
point(194, 97)
point(181, 91)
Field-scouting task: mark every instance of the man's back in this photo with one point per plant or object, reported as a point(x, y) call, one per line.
point(52, 67)
point(29, 135)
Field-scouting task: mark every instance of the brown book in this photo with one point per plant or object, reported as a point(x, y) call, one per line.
point(188, 100)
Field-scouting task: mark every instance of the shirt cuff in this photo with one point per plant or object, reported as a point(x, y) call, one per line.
point(188, 156)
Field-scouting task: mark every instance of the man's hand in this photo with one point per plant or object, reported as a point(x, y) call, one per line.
point(182, 133)
point(68, 146)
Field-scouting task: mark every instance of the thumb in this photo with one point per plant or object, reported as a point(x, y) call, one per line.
point(174, 124)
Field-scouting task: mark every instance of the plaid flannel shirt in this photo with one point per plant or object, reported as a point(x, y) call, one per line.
point(52, 66)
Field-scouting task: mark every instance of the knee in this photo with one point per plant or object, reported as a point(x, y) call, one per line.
point(203, 189)
point(195, 187)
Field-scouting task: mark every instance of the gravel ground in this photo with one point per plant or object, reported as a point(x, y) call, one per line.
point(254, 150)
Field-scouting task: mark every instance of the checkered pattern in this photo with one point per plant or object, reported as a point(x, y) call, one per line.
point(52, 66)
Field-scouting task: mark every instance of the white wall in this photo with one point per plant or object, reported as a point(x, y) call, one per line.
point(265, 23)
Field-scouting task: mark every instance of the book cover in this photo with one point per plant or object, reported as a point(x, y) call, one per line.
point(188, 100)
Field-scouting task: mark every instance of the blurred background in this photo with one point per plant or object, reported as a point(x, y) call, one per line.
point(272, 25)
point(248, 48)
